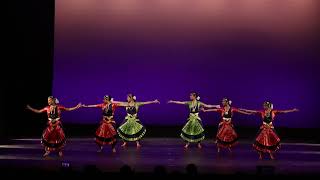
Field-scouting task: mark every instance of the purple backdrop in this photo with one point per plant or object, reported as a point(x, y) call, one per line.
point(247, 50)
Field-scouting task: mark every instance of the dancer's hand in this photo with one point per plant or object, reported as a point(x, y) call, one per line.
point(34, 110)
point(203, 110)
point(156, 101)
point(170, 101)
point(79, 105)
point(218, 106)
point(28, 107)
point(295, 110)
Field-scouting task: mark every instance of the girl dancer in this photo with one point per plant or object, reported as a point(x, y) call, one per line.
point(53, 137)
point(106, 133)
point(226, 135)
point(193, 130)
point(267, 140)
point(132, 129)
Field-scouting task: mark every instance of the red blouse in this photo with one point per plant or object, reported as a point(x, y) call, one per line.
point(273, 114)
point(56, 111)
point(103, 106)
point(224, 114)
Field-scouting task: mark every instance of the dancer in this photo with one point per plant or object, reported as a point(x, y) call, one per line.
point(53, 137)
point(132, 130)
point(226, 136)
point(267, 140)
point(106, 133)
point(193, 132)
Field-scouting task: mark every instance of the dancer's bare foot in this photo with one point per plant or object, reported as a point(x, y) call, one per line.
point(114, 150)
point(60, 154)
point(46, 154)
point(260, 156)
point(218, 150)
point(271, 156)
point(138, 144)
point(230, 150)
point(199, 145)
point(124, 144)
point(100, 149)
point(186, 146)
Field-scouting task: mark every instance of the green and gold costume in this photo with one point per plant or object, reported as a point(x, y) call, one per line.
point(132, 129)
point(193, 130)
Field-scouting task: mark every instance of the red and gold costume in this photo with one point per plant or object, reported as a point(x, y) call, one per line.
point(226, 135)
point(53, 137)
point(106, 133)
point(267, 140)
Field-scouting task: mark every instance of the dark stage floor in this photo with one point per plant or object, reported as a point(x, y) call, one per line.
point(293, 158)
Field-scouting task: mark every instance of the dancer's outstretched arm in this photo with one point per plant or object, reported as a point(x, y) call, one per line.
point(249, 110)
point(36, 110)
point(216, 110)
point(209, 110)
point(150, 102)
point(73, 108)
point(91, 106)
point(287, 111)
point(178, 102)
point(244, 112)
point(209, 106)
point(120, 104)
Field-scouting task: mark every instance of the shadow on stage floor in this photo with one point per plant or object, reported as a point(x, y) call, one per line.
point(158, 156)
